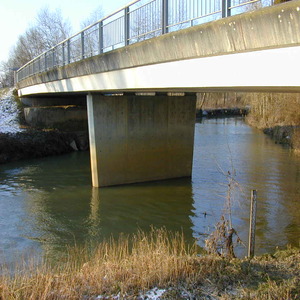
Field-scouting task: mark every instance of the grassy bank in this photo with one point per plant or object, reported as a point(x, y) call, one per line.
point(127, 268)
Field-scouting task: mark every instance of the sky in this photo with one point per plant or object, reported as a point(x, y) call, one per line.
point(17, 15)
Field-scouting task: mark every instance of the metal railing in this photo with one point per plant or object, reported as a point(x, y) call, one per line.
point(138, 21)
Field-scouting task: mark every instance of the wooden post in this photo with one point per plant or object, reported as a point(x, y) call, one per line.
point(251, 244)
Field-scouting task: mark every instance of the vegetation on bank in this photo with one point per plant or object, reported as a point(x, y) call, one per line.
point(277, 114)
point(130, 266)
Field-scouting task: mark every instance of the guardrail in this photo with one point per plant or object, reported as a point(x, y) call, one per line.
point(138, 21)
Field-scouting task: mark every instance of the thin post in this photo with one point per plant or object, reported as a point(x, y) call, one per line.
point(46, 62)
point(126, 25)
point(39, 64)
point(164, 17)
point(82, 45)
point(53, 58)
point(226, 11)
point(63, 54)
point(101, 37)
point(251, 244)
point(69, 50)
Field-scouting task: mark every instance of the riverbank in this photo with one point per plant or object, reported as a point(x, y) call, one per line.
point(39, 143)
point(158, 265)
point(20, 141)
point(276, 114)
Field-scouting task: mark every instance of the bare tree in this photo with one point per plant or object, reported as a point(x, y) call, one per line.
point(49, 29)
point(6, 75)
point(94, 17)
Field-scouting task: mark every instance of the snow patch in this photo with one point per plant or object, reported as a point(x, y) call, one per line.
point(9, 114)
point(153, 294)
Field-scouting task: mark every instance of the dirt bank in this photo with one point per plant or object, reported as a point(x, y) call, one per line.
point(35, 144)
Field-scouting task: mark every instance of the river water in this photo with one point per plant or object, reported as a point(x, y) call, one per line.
point(46, 204)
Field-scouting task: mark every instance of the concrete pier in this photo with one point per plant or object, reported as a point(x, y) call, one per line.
point(140, 138)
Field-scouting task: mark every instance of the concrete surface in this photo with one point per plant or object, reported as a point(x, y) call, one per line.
point(140, 138)
point(253, 51)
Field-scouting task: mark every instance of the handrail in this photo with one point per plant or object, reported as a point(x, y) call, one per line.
point(139, 20)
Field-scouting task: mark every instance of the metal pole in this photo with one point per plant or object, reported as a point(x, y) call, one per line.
point(53, 58)
point(164, 17)
point(126, 25)
point(226, 11)
point(251, 244)
point(63, 54)
point(69, 51)
point(45, 61)
point(39, 64)
point(101, 37)
point(82, 45)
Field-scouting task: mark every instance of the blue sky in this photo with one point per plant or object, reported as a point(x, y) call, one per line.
point(17, 15)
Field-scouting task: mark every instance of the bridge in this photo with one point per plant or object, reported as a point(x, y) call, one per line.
point(140, 78)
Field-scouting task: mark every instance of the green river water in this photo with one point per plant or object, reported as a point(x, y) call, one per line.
point(46, 204)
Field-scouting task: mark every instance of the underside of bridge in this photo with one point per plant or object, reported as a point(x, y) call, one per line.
point(140, 138)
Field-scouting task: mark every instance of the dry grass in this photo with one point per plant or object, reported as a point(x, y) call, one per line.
point(273, 109)
point(130, 266)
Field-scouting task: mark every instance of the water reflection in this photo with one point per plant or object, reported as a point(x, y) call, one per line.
point(49, 203)
point(60, 207)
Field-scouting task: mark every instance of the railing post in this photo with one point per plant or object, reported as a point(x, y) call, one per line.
point(45, 61)
point(126, 25)
point(226, 11)
point(100, 37)
point(68, 51)
point(53, 58)
point(82, 45)
point(39, 65)
point(164, 17)
point(63, 53)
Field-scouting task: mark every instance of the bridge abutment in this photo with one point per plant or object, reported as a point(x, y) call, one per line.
point(140, 138)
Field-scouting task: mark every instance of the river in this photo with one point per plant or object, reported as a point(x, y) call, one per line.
point(46, 204)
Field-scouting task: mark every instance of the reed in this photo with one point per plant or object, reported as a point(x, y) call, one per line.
point(128, 267)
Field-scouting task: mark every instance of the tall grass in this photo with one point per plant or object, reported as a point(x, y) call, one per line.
point(115, 266)
point(129, 266)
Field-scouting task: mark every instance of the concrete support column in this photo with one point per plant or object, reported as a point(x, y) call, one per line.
point(140, 138)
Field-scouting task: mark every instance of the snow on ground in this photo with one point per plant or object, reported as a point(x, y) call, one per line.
point(153, 294)
point(8, 113)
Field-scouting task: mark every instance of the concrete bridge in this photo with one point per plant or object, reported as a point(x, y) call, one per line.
point(141, 97)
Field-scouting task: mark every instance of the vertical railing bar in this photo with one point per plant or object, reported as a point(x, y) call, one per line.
point(63, 54)
point(53, 58)
point(164, 16)
point(45, 61)
point(82, 45)
point(69, 51)
point(226, 8)
point(100, 37)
